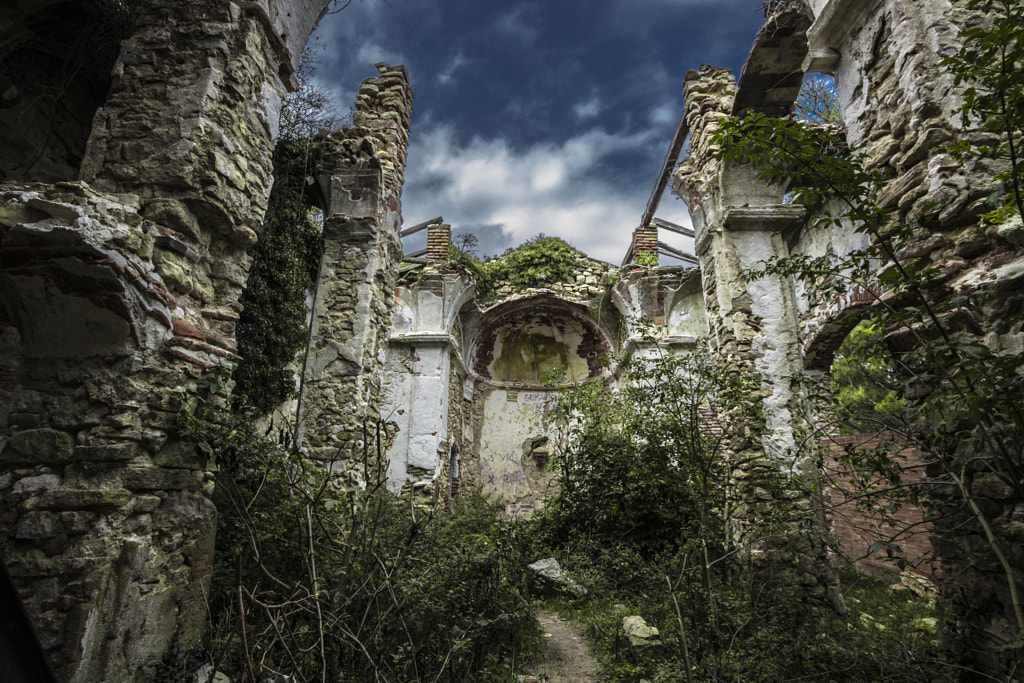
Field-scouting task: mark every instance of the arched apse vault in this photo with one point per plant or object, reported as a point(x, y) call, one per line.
point(520, 342)
point(514, 349)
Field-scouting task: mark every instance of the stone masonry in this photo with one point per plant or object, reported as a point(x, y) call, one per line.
point(118, 293)
point(352, 307)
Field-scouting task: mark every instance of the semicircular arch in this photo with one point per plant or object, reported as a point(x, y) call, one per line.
point(528, 341)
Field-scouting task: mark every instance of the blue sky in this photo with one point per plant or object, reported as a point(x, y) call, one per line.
point(534, 117)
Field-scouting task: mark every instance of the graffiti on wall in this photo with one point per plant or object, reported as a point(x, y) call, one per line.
point(512, 421)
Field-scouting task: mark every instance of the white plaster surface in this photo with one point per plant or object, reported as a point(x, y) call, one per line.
point(775, 342)
point(506, 426)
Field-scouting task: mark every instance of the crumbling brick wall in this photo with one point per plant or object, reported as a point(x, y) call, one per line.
point(859, 518)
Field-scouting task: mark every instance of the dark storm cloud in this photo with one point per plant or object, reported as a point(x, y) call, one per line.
point(535, 116)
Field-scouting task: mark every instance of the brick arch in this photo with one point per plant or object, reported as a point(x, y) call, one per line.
point(826, 326)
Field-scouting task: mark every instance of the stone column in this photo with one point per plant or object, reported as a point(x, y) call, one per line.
point(418, 376)
point(739, 221)
point(342, 393)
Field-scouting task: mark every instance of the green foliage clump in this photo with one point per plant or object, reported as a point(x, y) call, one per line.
point(632, 462)
point(647, 259)
point(641, 519)
point(867, 390)
point(272, 327)
point(476, 268)
point(319, 577)
point(538, 263)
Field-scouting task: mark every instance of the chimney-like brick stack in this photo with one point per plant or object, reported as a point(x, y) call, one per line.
point(439, 239)
point(645, 239)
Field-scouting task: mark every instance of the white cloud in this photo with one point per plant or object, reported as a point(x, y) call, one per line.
point(457, 62)
point(588, 109)
point(666, 114)
point(372, 53)
point(551, 188)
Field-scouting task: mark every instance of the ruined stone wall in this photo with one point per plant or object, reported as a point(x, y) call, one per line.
point(203, 159)
point(119, 297)
point(899, 104)
point(108, 529)
point(587, 283)
point(753, 327)
point(352, 311)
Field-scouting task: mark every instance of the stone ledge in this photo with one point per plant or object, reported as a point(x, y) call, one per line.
point(776, 217)
point(424, 339)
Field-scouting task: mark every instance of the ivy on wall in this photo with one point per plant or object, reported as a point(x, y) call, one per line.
point(272, 327)
point(539, 262)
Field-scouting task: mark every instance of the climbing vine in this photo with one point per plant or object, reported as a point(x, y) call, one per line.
point(272, 327)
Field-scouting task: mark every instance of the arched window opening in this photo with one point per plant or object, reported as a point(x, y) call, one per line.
point(865, 384)
point(818, 101)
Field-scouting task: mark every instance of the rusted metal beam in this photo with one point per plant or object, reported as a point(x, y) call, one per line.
point(671, 157)
point(421, 226)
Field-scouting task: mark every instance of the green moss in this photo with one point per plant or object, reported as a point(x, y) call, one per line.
point(272, 327)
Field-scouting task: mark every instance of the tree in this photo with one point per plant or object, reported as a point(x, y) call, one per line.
point(991, 66)
point(311, 108)
point(865, 384)
point(817, 101)
point(645, 498)
point(466, 242)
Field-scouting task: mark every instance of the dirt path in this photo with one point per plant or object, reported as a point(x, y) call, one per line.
point(567, 659)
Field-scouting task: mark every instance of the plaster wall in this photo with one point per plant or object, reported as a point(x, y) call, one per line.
point(686, 316)
point(512, 429)
point(425, 344)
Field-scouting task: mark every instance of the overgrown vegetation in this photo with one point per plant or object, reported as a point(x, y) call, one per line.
point(537, 263)
point(641, 518)
point(867, 390)
point(319, 577)
point(272, 327)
